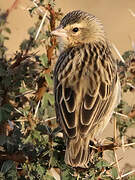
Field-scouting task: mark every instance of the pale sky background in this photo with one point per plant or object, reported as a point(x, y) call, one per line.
point(118, 22)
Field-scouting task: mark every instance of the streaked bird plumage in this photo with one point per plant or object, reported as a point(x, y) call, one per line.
point(86, 85)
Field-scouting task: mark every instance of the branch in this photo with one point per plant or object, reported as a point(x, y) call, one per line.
point(53, 17)
point(19, 57)
point(17, 157)
point(13, 6)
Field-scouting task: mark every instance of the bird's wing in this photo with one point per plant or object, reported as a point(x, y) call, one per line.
point(95, 103)
point(98, 100)
point(64, 97)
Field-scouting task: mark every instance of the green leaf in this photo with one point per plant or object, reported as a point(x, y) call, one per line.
point(7, 30)
point(5, 112)
point(26, 45)
point(51, 99)
point(66, 175)
point(31, 30)
point(31, 10)
point(41, 1)
point(23, 90)
point(36, 134)
point(45, 100)
point(3, 72)
point(48, 176)
point(101, 164)
point(53, 159)
point(40, 170)
point(44, 60)
point(12, 174)
point(50, 112)
point(49, 80)
point(6, 38)
point(114, 173)
point(126, 108)
point(132, 177)
point(8, 107)
point(3, 18)
point(1, 39)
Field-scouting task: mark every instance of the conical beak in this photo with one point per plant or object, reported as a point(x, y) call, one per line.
point(59, 32)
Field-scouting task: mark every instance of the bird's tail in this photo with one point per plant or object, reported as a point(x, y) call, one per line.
point(77, 152)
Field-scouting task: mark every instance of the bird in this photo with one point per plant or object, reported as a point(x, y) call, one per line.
point(86, 84)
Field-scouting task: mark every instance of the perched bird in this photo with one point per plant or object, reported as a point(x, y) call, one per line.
point(86, 85)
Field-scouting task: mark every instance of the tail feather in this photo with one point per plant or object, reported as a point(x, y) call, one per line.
point(77, 152)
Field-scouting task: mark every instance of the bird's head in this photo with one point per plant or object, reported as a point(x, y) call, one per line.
point(77, 28)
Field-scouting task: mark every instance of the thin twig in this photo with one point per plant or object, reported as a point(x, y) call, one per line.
point(36, 109)
point(131, 12)
point(21, 120)
point(13, 6)
point(114, 163)
point(114, 150)
point(116, 159)
point(34, 2)
point(118, 53)
point(93, 147)
point(78, 177)
point(132, 43)
point(129, 84)
point(115, 129)
point(130, 144)
point(120, 114)
point(39, 29)
point(27, 92)
point(122, 142)
point(49, 119)
point(19, 111)
point(127, 174)
point(55, 173)
point(117, 146)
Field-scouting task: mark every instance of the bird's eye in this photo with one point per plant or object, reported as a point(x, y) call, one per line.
point(76, 29)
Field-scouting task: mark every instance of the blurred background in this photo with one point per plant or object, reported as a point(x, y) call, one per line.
point(116, 16)
point(119, 24)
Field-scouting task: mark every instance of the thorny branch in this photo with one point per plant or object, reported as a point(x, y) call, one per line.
point(53, 17)
point(50, 50)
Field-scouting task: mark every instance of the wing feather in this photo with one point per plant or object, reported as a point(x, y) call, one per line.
point(90, 116)
point(96, 93)
point(64, 96)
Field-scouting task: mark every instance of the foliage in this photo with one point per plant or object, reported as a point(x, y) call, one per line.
point(31, 144)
